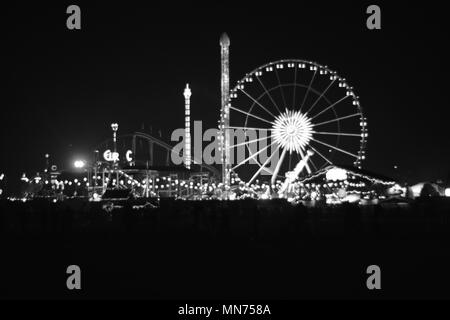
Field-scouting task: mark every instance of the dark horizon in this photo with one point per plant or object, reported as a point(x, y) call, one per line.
point(130, 65)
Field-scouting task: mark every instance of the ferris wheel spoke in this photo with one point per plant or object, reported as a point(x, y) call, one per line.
point(321, 96)
point(252, 156)
point(250, 141)
point(251, 115)
point(338, 119)
point(295, 85)
point(309, 89)
point(263, 167)
point(281, 88)
point(313, 164)
point(257, 162)
point(336, 148)
point(290, 161)
point(257, 102)
point(247, 128)
point(298, 157)
point(316, 151)
point(337, 134)
point(329, 107)
point(277, 168)
point(268, 94)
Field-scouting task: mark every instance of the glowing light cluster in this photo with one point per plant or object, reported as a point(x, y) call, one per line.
point(292, 131)
point(336, 174)
point(79, 164)
point(187, 152)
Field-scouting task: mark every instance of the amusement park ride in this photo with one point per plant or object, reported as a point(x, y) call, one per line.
point(301, 109)
point(298, 117)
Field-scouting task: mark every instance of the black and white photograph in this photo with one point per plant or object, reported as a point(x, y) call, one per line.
point(222, 157)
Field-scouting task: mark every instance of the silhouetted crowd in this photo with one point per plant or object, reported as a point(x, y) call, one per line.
point(246, 218)
point(223, 250)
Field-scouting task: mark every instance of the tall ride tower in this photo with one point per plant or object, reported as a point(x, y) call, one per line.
point(225, 110)
point(187, 126)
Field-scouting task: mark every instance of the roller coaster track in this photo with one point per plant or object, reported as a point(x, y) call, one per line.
point(168, 147)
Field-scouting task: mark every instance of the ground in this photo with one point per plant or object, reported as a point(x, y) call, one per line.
point(221, 250)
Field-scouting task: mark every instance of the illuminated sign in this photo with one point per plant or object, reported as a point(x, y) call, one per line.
point(128, 156)
point(110, 156)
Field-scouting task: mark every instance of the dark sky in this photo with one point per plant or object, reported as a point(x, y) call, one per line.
point(130, 62)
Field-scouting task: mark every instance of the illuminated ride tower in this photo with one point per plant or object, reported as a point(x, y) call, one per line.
point(225, 112)
point(187, 125)
point(115, 128)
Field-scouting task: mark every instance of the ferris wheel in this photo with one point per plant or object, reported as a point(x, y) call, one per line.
point(294, 115)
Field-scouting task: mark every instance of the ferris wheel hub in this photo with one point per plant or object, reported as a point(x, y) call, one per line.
point(292, 131)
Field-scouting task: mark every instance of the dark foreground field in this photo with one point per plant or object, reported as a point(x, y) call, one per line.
point(220, 250)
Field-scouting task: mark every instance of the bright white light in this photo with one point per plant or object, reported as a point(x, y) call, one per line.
point(79, 164)
point(110, 156)
point(187, 92)
point(336, 174)
point(128, 156)
point(447, 192)
point(353, 198)
point(292, 131)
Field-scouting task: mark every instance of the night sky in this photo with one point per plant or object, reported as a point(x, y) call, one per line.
point(130, 62)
